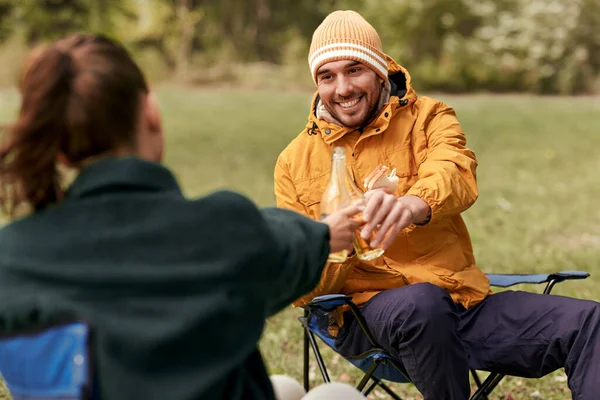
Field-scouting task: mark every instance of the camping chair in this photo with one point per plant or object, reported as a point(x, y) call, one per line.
point(52, 364)
point(377, 364)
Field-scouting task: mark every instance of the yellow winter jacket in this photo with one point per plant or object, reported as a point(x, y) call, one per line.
point(421, 138)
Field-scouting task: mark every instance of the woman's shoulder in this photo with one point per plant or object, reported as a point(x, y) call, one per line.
point(226, 205)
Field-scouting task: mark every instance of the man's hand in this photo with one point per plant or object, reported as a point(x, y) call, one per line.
point(389, 215)
point(342, 227)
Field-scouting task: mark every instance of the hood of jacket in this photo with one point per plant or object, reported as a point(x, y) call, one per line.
point(401, 93)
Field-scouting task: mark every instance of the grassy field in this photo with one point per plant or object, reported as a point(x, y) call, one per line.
point(539, 189)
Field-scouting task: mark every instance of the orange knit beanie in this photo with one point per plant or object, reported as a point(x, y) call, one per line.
point(346, 35)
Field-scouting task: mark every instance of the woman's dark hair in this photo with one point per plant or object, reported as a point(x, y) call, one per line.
point(80, 97)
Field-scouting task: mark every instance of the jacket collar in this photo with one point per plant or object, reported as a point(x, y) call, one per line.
point(402, 94)
point(113, 174)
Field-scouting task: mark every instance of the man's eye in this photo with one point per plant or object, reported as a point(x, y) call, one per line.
point(325, 77)
point(353, 70)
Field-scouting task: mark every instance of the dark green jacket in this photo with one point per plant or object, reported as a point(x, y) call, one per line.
point(175, 290)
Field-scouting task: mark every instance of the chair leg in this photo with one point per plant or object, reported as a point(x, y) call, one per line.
point(488, 386)
point(315, 347)
point(367, 376)
point(370, 388)
point(306, 359)
point(476, 378)
point(478, 383)
point(386, 388)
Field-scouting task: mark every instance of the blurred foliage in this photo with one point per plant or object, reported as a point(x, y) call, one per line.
point(539, 46)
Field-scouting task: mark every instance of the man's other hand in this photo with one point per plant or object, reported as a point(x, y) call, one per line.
point(389, 215)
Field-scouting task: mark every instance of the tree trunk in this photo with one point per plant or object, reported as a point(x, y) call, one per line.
point(263, 16)
point(102, 16)
point(187, 27)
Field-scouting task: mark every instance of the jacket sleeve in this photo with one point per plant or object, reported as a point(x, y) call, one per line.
point(270, 254)
point(447, 176)
point(334, 275)
point(303, 247)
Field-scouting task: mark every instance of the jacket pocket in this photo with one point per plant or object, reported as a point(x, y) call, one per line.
point(406, 169)
point(309, 193)
point(403, 160)
point(447, 258)
point(366, 277)
point(428, 270)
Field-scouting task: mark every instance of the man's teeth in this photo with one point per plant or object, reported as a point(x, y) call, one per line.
point(350, 103)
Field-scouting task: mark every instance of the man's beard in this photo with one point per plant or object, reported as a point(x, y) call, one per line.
point(372, 108)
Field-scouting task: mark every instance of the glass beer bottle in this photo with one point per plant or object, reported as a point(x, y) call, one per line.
point(363, 250)
point(336, 196)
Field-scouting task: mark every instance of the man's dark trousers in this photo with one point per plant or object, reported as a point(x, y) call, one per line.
point(514, 333)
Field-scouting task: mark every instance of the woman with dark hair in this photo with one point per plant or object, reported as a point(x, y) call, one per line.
point(175, 290)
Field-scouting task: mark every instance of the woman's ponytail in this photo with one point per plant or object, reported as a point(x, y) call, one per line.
point(80, 98)
point(28, 155)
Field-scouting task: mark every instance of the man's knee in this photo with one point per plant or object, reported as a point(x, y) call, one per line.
point(426, 299)
point(421, 304)
point(590, 311)
point(579, 315)
point(432, 305)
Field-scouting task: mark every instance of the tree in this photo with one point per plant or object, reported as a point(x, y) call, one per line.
point(6, 14)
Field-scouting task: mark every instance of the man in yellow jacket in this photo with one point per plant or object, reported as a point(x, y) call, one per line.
point(424, 300)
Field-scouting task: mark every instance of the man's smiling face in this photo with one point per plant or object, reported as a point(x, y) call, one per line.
point(350, 91)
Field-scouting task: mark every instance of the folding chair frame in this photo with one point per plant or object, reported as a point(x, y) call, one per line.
point(484, 388)
point(309, 338)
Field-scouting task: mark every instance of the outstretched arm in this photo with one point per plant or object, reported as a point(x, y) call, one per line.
point(333, 275)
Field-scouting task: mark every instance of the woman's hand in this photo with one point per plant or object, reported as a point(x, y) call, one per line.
point(342, 227)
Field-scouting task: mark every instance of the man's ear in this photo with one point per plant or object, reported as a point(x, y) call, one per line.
point(64, 161)
point(152, 143)
point(152, 114)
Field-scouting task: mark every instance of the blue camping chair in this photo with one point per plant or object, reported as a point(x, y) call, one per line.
point(377, 363)
point(52, 364)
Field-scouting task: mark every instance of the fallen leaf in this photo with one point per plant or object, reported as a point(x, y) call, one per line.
point(344, 377)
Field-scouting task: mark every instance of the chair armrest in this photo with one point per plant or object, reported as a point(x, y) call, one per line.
point(566, 275)
point(328, 302)
point(506, 280)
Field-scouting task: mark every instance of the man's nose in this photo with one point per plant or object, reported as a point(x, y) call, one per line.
point(344, 87)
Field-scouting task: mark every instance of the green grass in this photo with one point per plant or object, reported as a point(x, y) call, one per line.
point(538, 177)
